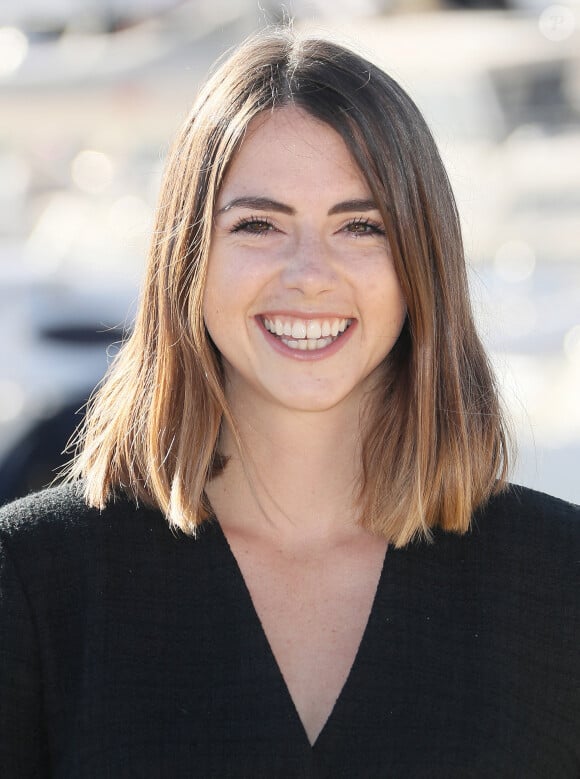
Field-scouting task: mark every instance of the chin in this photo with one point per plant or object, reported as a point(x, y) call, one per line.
point(315, 402)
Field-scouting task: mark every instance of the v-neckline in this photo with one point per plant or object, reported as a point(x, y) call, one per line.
point(269, 652)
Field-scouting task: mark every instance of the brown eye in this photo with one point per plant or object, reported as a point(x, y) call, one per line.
point(364, 227)
point(253, 226)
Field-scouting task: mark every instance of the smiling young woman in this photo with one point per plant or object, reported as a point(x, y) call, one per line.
point(435, 432)
point(287, 547)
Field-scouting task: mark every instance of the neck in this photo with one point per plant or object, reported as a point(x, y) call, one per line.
point(298, 474)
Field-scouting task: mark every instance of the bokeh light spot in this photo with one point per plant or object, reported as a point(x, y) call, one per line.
point(13, 50)
point(515, 261)
point(92, 171)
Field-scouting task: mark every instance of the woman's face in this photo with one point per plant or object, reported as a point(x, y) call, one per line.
point(301, 296)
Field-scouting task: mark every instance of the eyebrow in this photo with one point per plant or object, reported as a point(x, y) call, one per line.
point(267, 204)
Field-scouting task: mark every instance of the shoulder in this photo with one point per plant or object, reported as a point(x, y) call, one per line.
point(522, 541)
point(518, 567)
point(36, 522)
point(60, 548)
point(60, 510)
point(61, 504)
point(519, 536)
point(515, 499)
point(531, 517)
point(56, 525)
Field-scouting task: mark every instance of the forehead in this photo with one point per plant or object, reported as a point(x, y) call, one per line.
point(289, 149)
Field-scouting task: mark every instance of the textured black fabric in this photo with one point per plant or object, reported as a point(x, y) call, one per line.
point(127, 650)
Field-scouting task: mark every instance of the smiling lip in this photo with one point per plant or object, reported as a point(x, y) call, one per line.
point(305, 338)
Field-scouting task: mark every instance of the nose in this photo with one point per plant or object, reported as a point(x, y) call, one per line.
point(309, 267)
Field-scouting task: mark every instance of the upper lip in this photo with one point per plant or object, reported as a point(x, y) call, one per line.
point(305, 315)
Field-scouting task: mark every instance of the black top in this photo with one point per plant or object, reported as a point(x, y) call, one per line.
point(129, 650)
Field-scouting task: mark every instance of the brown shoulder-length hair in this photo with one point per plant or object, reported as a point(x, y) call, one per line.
point(435, 445)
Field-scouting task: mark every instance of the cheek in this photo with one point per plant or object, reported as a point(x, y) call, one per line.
point(389, 313)
point(236, 280)
point(220, 285)
point(386, 298)
point(213, 299)
point(230, 290)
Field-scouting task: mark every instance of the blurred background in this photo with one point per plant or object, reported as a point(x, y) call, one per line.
point(91, 94)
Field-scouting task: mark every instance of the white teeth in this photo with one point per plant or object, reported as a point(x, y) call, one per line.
point(307, 344)
point(313, 330)
point(299, 330)
point(306, 334)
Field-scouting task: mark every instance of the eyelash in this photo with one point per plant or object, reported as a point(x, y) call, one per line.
point(246, 222)
point(376, 228)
